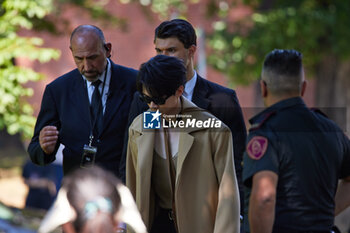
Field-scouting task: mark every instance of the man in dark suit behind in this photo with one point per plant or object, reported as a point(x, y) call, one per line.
point(74, 115)
point(178, 38)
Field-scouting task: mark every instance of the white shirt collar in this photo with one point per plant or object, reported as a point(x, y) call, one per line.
point(91, 88)
point(189, 87)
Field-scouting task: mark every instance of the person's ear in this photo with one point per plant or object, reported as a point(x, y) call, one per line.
point(191, 50)
point(303, 88)
point(108, 48)
point(179, 91)
point(263, 88)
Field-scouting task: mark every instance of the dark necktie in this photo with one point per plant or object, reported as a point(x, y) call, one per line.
point(96, 109)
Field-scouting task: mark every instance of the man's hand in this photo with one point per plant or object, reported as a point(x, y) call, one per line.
point(48, 138)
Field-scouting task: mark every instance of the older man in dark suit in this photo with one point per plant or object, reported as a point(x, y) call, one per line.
point(85, 109)
point(178, 38)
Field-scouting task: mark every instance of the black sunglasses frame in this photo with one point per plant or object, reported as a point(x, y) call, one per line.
point(156, 100)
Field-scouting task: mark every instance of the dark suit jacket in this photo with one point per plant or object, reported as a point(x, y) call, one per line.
point(65, 104)
point(222, 102)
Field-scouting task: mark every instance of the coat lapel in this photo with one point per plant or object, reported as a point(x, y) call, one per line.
point(185, 144)
point(200, 93)
point(145, 147)
point(186, 139)
point(116, 95)
point(79, 97)
point(145, 144)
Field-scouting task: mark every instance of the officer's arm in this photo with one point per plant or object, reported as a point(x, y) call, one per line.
point(342, 197)
point(262, 202)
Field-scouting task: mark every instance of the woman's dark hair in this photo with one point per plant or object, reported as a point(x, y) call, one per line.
point(161, 76)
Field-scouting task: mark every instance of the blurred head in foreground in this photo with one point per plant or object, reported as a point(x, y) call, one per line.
point(92, 200)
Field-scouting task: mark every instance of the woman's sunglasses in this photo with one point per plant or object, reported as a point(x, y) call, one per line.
point(156, 100)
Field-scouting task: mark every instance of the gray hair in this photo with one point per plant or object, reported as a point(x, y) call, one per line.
point(283, 71)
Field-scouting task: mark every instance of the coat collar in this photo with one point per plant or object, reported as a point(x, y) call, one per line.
point(145, 142)
point(200, 93)
point(283, 104)
point(116, 94)
point(145, 145)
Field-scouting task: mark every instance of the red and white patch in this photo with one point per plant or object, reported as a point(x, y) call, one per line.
point(256, 147)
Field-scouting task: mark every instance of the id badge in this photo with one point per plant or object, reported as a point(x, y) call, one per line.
point(88, 158)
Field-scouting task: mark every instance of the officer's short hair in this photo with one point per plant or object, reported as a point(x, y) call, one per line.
point(178, 28)
point(283, 71)
point(161, 76)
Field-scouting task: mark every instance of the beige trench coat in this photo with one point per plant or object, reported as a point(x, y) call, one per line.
point(206, 191)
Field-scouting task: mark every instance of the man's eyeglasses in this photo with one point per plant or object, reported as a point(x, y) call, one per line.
point(156, 100)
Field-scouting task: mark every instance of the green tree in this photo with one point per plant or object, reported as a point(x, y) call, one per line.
point(16, 115)
point(317, 28)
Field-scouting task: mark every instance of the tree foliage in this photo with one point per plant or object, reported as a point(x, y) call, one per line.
point(317, 28)
point(15, 112)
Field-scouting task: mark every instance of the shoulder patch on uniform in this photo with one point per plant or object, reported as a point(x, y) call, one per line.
point(256, 147)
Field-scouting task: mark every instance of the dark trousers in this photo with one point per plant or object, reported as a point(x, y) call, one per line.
point(163, 222)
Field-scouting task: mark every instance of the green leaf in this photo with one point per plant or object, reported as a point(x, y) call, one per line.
point(15, 112)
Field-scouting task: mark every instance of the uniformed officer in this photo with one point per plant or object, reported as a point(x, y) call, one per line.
point(294, 156)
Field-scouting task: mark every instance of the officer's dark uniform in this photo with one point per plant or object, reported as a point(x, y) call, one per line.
point(309, 153)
